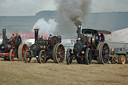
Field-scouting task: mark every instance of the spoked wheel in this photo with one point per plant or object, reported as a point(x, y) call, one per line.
point(121, 59)
point(11, 55)
point(88, 56)
point(21, 50)
point(103, 57)
point(27, 56)
point(42, 57)
point(68, 56)
point(58, 53)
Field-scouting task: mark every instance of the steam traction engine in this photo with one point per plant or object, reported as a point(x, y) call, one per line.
point(11, 48)
point(89, 45)
point(45, 49)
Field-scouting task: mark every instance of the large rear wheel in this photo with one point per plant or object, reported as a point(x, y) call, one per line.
point(21, 50)
point(58, 53)
point(103, 57)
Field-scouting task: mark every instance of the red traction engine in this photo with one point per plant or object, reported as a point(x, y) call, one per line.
point(12, 48)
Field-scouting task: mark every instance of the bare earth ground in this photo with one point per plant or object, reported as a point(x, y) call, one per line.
point(20, 73)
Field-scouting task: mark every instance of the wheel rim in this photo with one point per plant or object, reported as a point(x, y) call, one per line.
point(27, 56)
point(105, 53)
point(21, 51)
point(12, 55)
point(60, 53)
point(123, 59)
point(90, 56)
point(68, 57)
point(43, 56)
point(25, 47)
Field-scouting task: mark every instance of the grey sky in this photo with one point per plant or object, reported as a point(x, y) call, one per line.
point(109, 5)
point(30, 7)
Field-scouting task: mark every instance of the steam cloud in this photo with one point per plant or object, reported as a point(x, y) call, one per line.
point(75, 10)
point(45, 27)
point(71, 12)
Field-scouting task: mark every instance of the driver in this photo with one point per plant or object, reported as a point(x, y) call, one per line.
point(18, 38)
point(12, 37)
point(50, 36)
point(18, 41)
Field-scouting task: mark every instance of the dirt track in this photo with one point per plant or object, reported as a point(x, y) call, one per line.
point(20, 73)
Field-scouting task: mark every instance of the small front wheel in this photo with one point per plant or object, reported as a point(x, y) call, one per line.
point(68, 56)
point(27, 56)
point(42, 57)
point(11, 55)
point(88, 56)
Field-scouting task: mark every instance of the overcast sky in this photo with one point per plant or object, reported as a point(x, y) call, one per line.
point(30, 7)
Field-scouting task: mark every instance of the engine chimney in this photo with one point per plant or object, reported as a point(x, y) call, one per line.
point(36, 35)
point(78, 25)
point(79, 31)
point(4, 35)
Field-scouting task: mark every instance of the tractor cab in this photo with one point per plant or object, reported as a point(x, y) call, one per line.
point(94, 36)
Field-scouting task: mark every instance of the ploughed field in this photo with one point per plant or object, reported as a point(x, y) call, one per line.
point(20, 73)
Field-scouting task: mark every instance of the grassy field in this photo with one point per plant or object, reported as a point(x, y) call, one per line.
point(20, 73)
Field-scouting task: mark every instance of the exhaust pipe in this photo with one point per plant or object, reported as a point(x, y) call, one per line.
point(79, 31)
point(4, 35)
point(36, 35)
point(78, 25)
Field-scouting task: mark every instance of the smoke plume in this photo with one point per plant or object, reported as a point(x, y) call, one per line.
point(45, 27)
point(72, 12)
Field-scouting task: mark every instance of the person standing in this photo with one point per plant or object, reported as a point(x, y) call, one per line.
point(50, 36)
point(12, 37)
point(18, 39)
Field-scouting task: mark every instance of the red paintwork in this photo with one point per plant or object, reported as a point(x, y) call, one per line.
point(13, 55)
point(30, 35)
point(79, 56)
point(4, 54)
point(49, 41)
point(24, 49)
point(82, 56)
point(27, 54)
point(73, 56)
